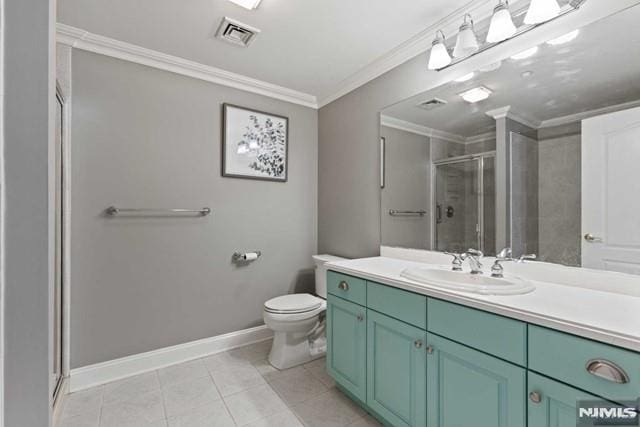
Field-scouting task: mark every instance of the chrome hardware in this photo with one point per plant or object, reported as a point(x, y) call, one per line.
point(527, 257)
point(421, 213)
point(497, 271)
point(344, 286)
point(418, 344)
point(535, 397)
point(607, 371)
point(114, 211)
point(244, 256)
point(474, 256)
point(592, 239)
point(429, 349)
point(456, 264)
point(360, 317)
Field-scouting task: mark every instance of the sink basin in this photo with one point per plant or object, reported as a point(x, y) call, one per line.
point(466, 282)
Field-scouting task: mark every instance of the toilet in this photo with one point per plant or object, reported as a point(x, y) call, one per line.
point(297, 322)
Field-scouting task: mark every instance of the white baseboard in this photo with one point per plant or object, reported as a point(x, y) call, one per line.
point(102, 373)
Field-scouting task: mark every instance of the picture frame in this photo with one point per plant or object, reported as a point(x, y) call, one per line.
point(255, 144)
point(383, 143)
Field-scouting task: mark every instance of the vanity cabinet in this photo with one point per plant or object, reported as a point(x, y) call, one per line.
point(347, 345)
point(468, 388)
point(396, 370)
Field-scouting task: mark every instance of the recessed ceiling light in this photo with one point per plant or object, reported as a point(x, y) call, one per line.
point(465, 78)
point(564, 39)
point(247, 4)
point(526, 53)
point(476, 94)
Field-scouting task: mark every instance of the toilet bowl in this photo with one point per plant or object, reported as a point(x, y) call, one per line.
point(297, 322)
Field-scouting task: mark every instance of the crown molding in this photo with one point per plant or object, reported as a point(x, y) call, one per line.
point(417, 45)
point(480, 138)
point(507, 112)
point(406, 126)
point(578, 117)
point(84, 40)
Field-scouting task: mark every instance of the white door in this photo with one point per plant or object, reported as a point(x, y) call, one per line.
point(611, 192)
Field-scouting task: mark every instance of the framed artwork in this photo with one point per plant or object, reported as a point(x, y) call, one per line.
point(383, 143)
point(255, 144)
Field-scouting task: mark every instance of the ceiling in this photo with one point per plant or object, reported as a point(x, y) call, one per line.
point(598, 69)
point(306, 45)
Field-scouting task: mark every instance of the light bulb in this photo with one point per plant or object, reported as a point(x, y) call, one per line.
point(541, 11)
point(502, 26)
point(439, 57)
point(243, 148)
point(467, 42)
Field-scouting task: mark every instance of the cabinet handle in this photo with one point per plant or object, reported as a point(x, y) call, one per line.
point(535, 397)
point(418, 343)
point(429, 349)
point(360, 317)
point(343, 286)
point(607, 371)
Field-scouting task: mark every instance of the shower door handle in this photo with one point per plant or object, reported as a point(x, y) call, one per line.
point(438, 214)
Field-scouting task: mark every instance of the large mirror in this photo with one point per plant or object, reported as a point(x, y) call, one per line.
point(539, 152)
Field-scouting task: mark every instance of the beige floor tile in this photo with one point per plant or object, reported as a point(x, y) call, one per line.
point(265, 368)
point(130, 388)
point(367, 421)
point(254, 404)
point(189, 395)
point(83, 402)
point(284, 374)
point(86, 419)
point(224, 362)
point(236, 380)
point(331, 409)
point(143, 410)
point(253, 352)
point(212, 415)
point(283, 419)
point(182, 372)
point(297, 386)
point(318, 368)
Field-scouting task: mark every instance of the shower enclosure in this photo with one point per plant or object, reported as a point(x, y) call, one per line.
point(465, 204)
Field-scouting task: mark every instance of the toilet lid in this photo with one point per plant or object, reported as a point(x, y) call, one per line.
point(295, 303)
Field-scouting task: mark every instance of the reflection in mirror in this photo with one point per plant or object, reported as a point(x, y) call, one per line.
point(536, 152)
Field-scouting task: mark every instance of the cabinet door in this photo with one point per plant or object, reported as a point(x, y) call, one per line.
point(554, 404)
point(397, 371)
point(347, 345)
point(468, 388)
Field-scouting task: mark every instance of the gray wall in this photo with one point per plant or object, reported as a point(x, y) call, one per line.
point(407, 187)
point(147, 138)
point(26, 218)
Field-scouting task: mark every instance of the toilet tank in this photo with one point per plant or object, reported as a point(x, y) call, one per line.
point(321, 272)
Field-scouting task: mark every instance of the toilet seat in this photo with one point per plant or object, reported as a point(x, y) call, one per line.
point(293, 304)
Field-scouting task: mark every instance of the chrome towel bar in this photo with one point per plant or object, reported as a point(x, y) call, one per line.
point(407, 213)
point(114, 211)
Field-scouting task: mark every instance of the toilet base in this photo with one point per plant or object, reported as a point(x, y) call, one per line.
point(291, 349)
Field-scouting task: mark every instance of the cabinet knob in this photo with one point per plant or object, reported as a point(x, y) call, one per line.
point(360, 317)
point(535, 397)
point(418, 343)
point(429, 349)
point(343, 286)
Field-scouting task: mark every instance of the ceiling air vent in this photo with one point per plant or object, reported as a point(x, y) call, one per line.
point(236, 32)
point(431, 104)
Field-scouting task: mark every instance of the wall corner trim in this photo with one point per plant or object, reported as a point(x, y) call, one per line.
point(84, 40)
point(105, 372)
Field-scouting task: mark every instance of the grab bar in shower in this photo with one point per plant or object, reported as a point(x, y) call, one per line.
point(114, 211)
point(407, 213)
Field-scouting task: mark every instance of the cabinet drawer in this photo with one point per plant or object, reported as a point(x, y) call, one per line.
point(567, 358)
point(493, 334)
point(347, 287)
point(402, 305)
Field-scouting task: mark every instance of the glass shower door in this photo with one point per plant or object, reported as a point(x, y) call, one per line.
point(458, 218)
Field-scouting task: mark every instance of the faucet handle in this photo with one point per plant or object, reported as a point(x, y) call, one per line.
point(475, 252)
point(505, 254)
point(527, 257)
point(457, 260)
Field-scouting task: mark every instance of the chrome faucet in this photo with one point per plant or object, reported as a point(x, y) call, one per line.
point(474, 256)
point(456, 264)
point(497, 270)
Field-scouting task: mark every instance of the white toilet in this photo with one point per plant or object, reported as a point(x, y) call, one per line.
point(298, 322)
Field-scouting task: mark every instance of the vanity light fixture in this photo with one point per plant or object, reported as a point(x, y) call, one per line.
point(476, 94)
point(247, 4)
point(467, 42)
point(564, 39)
point(502, 26)
point(541, 11)
point(526, 53)
point(439, 56)
point(243, 148)
point(465, 78)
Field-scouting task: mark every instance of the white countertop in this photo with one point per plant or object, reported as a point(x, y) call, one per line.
point(612, 318)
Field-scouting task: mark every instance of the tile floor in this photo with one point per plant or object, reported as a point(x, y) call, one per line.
point(236, 388)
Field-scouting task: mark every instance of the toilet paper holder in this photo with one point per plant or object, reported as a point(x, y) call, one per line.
point(246, 256)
